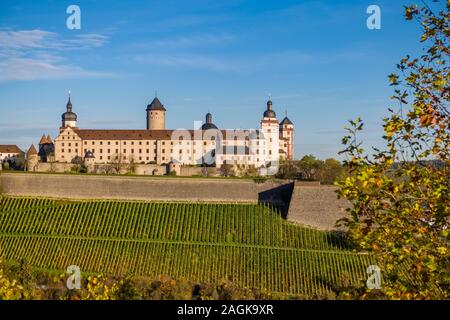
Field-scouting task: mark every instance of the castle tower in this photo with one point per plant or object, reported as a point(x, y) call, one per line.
point(208, 125)
point(287, 137)
point(270, 130)
point(69, 118)
point(32, 158)
point(156, 115)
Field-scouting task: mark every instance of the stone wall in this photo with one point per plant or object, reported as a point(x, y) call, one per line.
point(142, 188)
point(309, 204)
point(316, 206)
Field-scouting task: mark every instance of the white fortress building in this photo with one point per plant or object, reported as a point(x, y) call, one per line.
point(208, 145)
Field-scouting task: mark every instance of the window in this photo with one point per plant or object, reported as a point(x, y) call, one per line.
point(109, 150)
point(70, 151)
point(163, 158)
point(117, 143)
point(70, 144)
point(109, 143)
point(270, 151)
point(148, 142)
point(148, 158)
point(101, 143)
point(85, 143)
point(62, 150)
point(124, 150)
point(124, 143)
point(101, 158)
point(140, 158)
point(140, 143)
point(62, 144)
point(76, 144)
point(109, 158)
point(101, 150)
point(163, 143)
point(93, 142)
point(140, 150)
point(132, 150)
point(132, 143)
point(76, 150)
point(148, 150)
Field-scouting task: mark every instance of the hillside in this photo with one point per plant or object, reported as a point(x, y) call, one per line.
point(249, 244)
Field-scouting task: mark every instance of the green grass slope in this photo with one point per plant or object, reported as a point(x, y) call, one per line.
point(248, 244)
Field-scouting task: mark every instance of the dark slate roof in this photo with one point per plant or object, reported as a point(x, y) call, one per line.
point(69, 116)
point(286, 121)
point(209, 126)
point(269, 114)
point(89, 154)
point(156, 105)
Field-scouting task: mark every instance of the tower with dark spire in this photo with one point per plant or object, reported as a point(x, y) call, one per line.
point(156, 115)
point(208, 123)
point(69, 118)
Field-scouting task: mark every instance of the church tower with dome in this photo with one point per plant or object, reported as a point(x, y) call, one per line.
point(69, 118)
point(271, 133)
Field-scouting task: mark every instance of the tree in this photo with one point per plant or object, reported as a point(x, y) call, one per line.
point(330, 171)
point(400, 212)
point(117, 162)
point(132, 164)
point(226, 170)
point(309, 167)
point(288, 169)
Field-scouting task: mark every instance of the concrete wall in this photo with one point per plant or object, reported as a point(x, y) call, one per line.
point(316, 206)
point(141, 188)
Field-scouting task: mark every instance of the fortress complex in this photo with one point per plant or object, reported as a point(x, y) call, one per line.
point(208, 145)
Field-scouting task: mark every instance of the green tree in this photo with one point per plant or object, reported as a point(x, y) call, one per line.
point(400, 212)
point(330, 171)
point(309, 167)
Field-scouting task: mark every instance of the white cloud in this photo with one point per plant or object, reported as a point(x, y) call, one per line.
point(38, 54)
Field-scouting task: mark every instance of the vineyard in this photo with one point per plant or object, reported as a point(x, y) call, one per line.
point(248, 244)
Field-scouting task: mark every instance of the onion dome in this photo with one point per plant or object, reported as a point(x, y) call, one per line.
point(69, 115)
point(156, 105)
point(208, 125)
point(269, 113)
point(89, 155)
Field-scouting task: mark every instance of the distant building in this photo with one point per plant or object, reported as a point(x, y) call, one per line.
point(46, 149)
point(210, 145)
point(11, 154)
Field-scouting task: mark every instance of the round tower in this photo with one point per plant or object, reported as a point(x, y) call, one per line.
point(156, 115)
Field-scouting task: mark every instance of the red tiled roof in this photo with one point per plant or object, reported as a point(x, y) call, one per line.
point(9, 148)
point(32, 151)
point(99, 134)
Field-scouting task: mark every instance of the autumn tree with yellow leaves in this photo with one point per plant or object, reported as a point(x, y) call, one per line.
point(401, 195)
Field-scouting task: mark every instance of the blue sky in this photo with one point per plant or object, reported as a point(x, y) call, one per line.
point(317, 59)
